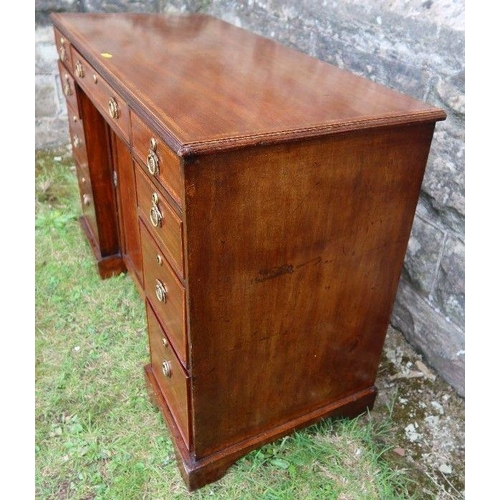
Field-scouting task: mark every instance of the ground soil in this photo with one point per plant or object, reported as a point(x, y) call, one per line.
point(427, 417)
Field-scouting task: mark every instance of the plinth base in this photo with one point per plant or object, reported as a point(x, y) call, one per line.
point(198, 473)
point(109, 265)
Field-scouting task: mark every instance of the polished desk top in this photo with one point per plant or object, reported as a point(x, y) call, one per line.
point(209, 85)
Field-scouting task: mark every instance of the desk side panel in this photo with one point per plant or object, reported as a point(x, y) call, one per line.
point(294, 254)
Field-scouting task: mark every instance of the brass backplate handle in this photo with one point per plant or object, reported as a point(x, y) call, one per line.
point(166, 368)
point(161, 291)
point(155, 216)
point(113, 108)
point(67, 87)
point(153, 162)
point(62, 50)
point(77, 142)
point(79, 69)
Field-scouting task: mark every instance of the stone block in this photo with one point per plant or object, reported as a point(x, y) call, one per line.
point(423, 254)
point(444, 179)
point(450, 48)
point(51, 132)
point(43, 8)
point(450, 285)
point(120, 5)
point(172, 6)
point(441, 342)
point(451, 92)
point(45, 51)
point(45, 97)
point(56, 5)
point(44, 34)
point(447, 13)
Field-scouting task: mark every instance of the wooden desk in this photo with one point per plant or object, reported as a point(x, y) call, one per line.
point(261, 200)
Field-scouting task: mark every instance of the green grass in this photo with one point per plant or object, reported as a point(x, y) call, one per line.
point(97, 434)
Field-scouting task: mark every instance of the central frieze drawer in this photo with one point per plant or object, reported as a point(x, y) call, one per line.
point(112, 106)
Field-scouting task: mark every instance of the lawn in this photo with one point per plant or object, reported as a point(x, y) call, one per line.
point(97, 434)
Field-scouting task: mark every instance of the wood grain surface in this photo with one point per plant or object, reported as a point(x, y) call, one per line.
point(228, 87)
point(292, 273)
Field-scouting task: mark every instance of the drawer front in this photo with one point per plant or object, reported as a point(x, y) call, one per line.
point(68, 88)
point(165, 292)
point(171, 377)
point(77, 137)
point(86, 198)
point(109, 103)
point(83, 177)
point(157, 158)
point(160, 219)
point(73, 115)
point(63, 48)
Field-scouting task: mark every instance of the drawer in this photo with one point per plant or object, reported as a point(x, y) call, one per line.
point(63, 48)
point(77, 137)
point(86, 198)
point(83, 177)
point(157, 158)
point(68, 88)
point(84, 182)
point(109, 103)
point(160, 219)
point(73, 115)
point(165, 292)
point(171, 377)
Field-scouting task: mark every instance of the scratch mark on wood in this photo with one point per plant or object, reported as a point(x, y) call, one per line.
point(315, 261)
point(273, 272)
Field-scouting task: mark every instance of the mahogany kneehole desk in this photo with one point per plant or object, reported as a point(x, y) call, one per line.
point(261, 200)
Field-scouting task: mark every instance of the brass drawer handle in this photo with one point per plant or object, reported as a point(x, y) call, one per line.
point(79, 70)
point(153, 161)
point(67, 87)
point(62, 50)
point(86, 200)
point(113, 108)
point(155, 216)
point(166, 368)
point(161, 291)
point(164, 341)
point(77, 142)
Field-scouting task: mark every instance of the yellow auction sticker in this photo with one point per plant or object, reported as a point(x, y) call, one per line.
point(107, 55)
